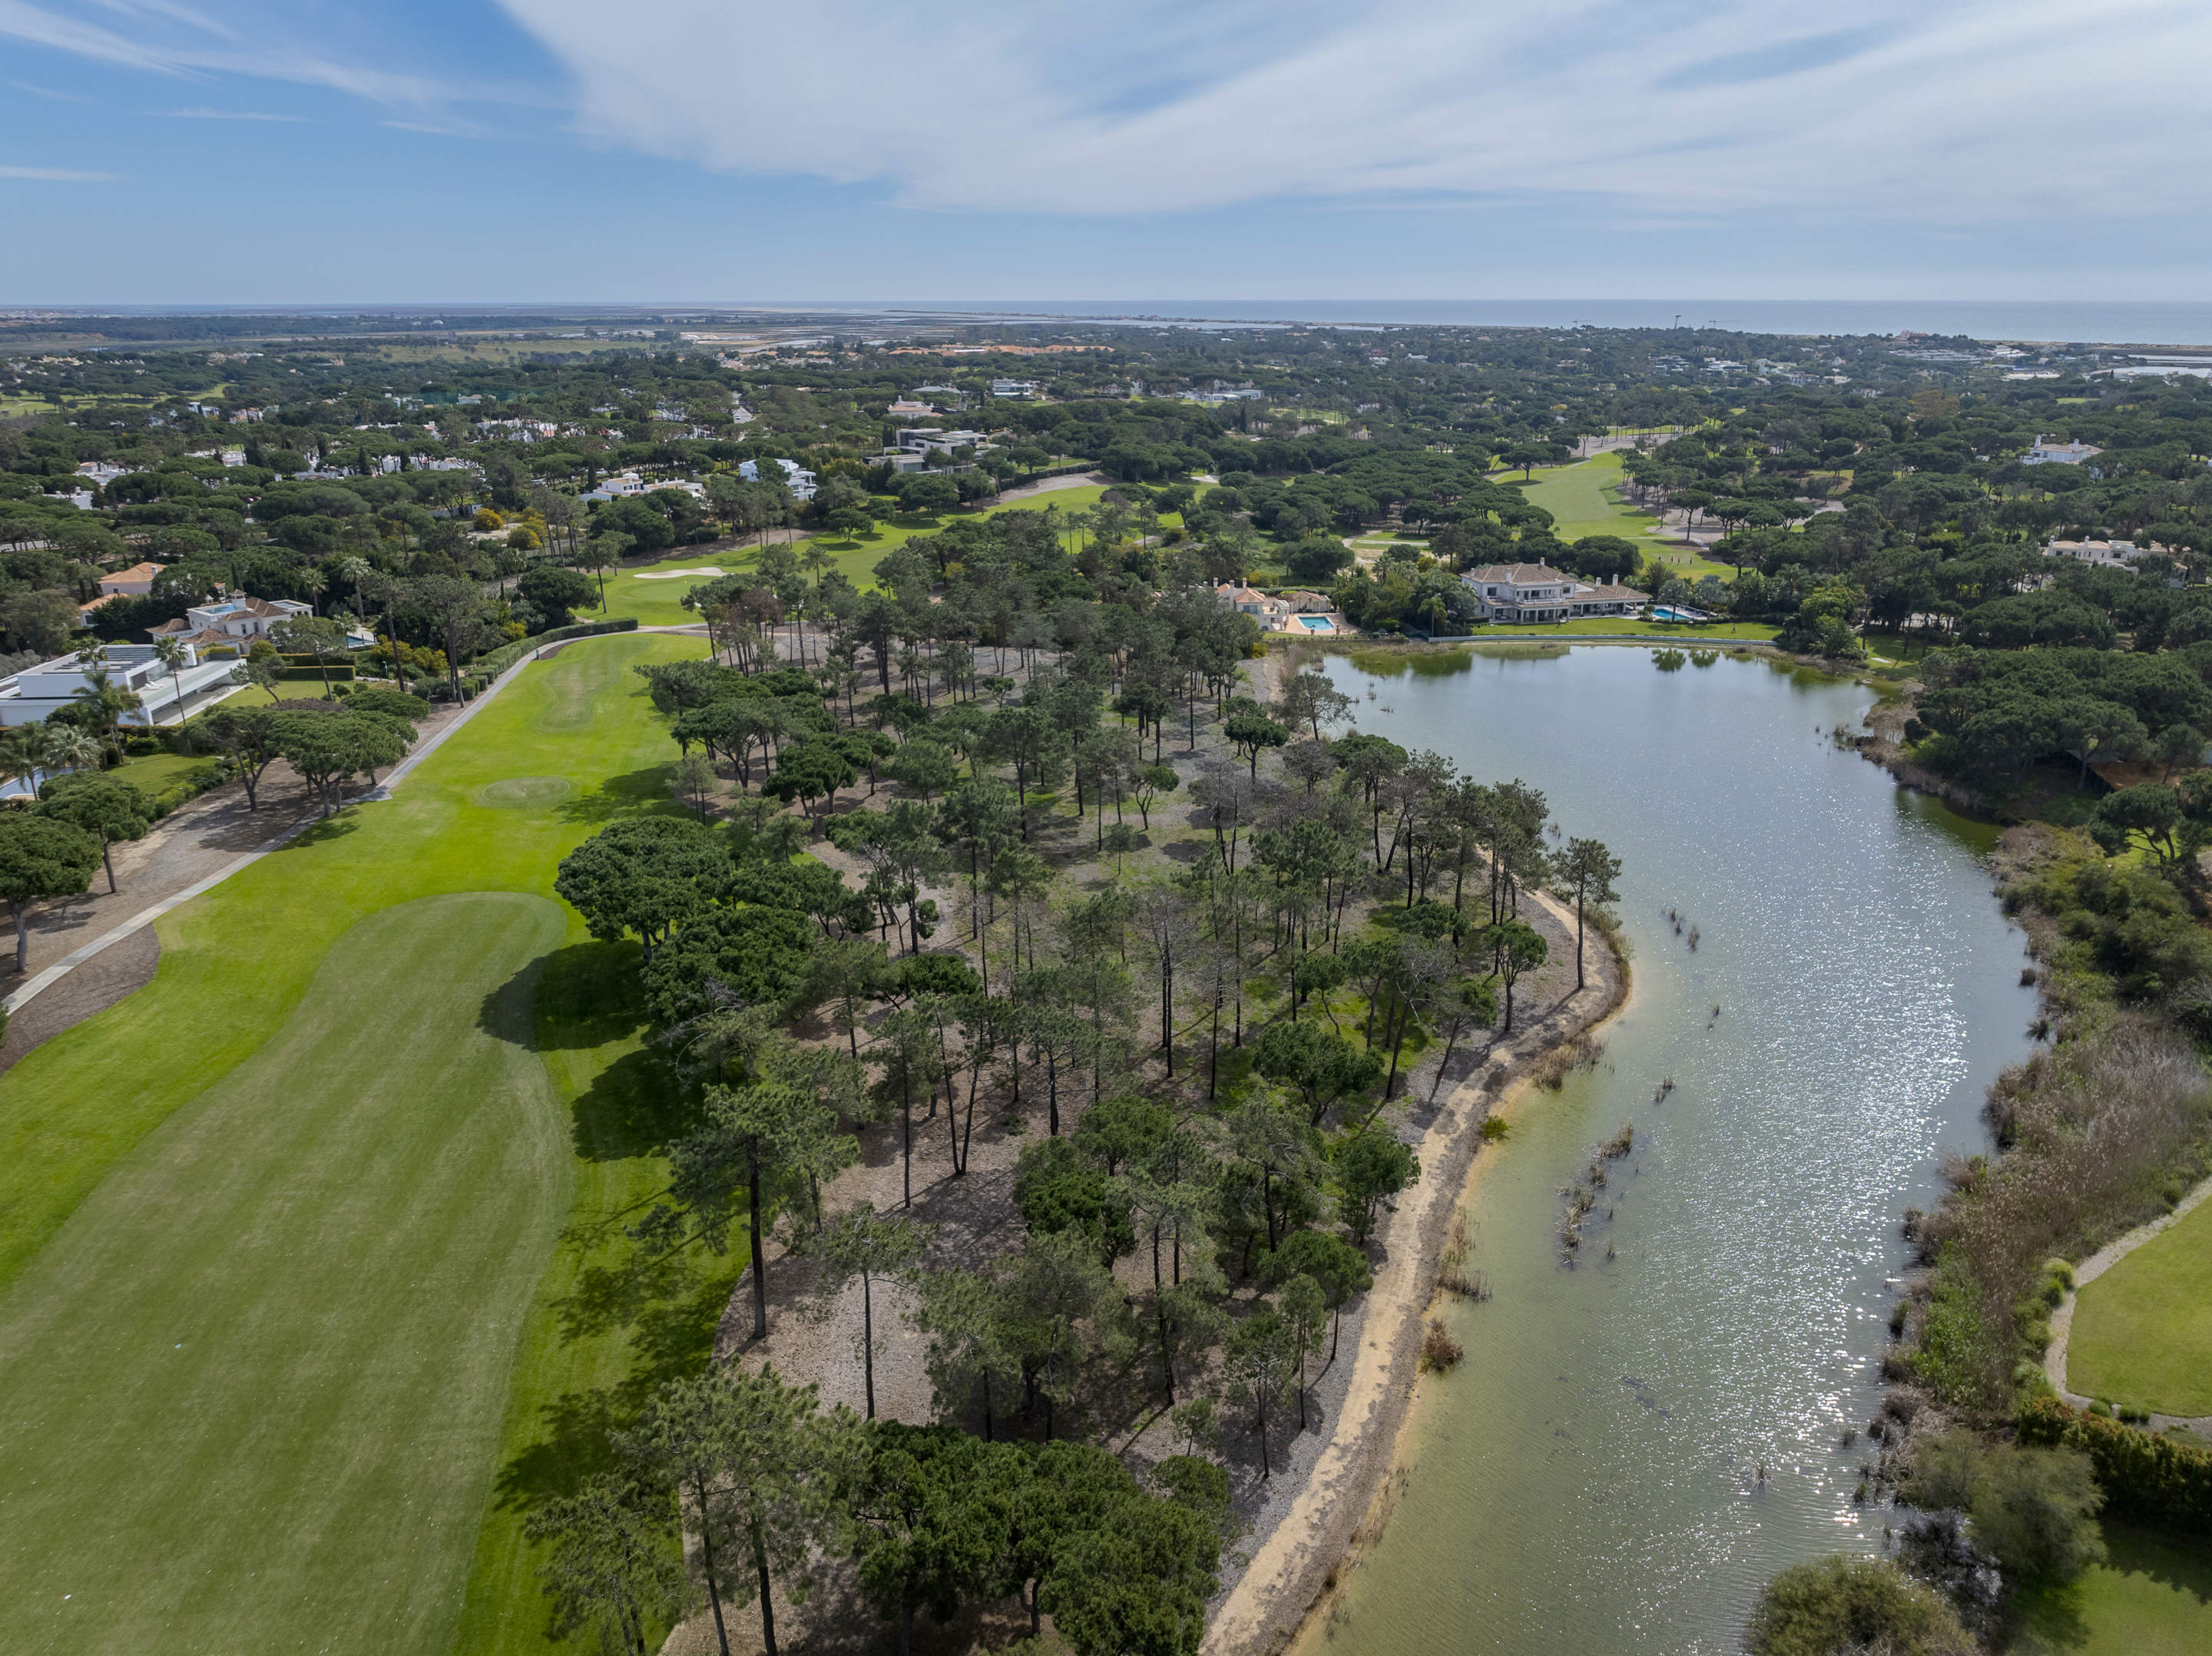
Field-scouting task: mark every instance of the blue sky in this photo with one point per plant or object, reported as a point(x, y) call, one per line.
point(186, 151)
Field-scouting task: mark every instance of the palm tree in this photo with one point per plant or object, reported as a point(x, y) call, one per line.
point(173, 654)
point(68, 748)
point(23, 754)
point(355, 573)
point(104, 699)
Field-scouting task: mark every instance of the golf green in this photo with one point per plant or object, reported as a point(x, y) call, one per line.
point(253, 1384)
point(2142, 1331)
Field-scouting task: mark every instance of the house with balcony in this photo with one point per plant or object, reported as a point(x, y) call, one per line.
point(1527, 594)
point(1271, 613)
point(228, 626)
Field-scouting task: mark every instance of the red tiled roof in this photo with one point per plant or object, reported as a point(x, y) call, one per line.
point(1521, 575)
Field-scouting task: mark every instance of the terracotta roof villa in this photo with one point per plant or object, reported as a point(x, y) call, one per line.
point(1525, 594)
point(229, 623)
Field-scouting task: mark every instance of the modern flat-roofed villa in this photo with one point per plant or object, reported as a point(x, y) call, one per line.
point(1525, 594)
point(164, 697)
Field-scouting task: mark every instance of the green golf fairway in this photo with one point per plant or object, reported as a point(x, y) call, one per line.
point(253, 1384)
point(657, 603)
point(1581, 496)
point(301, 1245)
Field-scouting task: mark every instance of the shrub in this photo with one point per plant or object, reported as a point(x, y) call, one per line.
point(1056, 1190)
point(2097, 1128)
point(2151, 1479)
point(2034, 1511)
point(499, 660)
point(1439, 1351)
point(389, 704)
point(1837, 1606)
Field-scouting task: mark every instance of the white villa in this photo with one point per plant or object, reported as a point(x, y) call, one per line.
point(2040, 453)
point(1271, 613)
point(621, 485)
point(1303, 612)
point(226, 625)
point(2105, 554)
point(1528, 593)
point(164, 697)
point(928, 440)
point(796, 477)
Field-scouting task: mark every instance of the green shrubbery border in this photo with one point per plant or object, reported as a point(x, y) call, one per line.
point(499, 660)
point(2154, 1479)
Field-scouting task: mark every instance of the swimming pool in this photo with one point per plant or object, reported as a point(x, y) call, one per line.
point(1317, 623)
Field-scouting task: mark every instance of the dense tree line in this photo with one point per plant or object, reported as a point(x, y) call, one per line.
point(1205, 1054)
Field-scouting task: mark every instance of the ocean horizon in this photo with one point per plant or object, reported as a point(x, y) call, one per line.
point(2150, 323)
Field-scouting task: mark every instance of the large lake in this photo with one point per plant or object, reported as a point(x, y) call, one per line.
point(1590, 1480)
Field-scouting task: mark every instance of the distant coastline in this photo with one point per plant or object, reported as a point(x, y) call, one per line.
point(2151, 324)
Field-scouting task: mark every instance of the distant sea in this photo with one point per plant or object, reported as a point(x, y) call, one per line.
point(2089, 322)
point(2176, 323)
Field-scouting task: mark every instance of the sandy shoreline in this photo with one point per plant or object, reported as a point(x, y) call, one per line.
point(1297, 1564)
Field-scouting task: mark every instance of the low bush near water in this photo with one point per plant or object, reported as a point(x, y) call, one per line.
point(1439, 1351)
point(1834, 1605)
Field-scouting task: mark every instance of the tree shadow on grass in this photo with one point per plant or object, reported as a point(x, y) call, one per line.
point(328, 829)
point(619, 796)
point(669, 1307)
point(636, 1107)
point(589, 994)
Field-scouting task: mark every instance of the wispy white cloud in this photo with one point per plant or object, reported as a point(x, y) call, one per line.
point(169, 9)
point(189, 55)
point(437, 129)
point(228, 115)
point(1930, 109)
point(57, 175)
point(49, 92)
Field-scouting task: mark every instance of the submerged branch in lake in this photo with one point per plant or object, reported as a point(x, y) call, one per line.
point(1581, 1194)
point(1452, 1275)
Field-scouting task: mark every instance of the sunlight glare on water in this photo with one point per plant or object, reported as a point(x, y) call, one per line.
point(1589, 1479)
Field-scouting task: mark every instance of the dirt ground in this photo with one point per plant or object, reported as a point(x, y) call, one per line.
point(1354, 1403)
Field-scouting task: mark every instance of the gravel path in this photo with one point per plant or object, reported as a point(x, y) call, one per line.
point(2062, 1320)
point(96, 985)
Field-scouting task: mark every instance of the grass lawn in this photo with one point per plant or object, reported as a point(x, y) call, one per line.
point(156, 771)
point(2142, 1331)
point(1584, 498)
point(1751, 632)
point(306, 1255)
point(2153, 1598)
point(264, 1363)
point(660, 603)
point(1690, 564)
